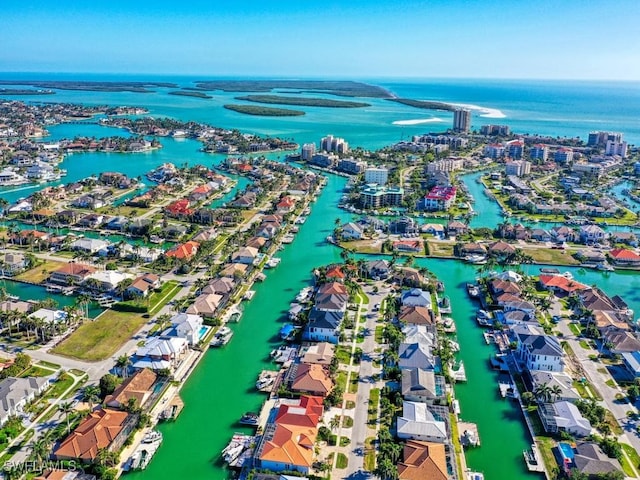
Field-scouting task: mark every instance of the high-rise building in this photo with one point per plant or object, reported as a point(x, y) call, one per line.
point(502, 130)
point(461, 120)
point(334, 144)
point(563, 155)
point(601, 138)
point(518, 168)
point(515, 149)
point(539, 152)
point(308, 151)
point(377, 175)
point(616, 148)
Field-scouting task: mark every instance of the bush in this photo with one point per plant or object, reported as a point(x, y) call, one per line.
point(129, 307)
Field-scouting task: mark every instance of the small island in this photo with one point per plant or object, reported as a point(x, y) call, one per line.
point(190, 93)
point(424, 104)
point(264, 111)
point(339, 88)
point(25, 91)
point(302, 101)
point(134, 87)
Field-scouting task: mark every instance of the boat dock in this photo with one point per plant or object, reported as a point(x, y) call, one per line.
point(239, 449)
point(267, 380)
point(532, 459)
point(469, 434)
point(458, 374)
point(173, 409)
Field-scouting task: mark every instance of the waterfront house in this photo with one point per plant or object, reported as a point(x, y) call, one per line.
point(624, 257)
point(589, 459)
point(606, 321)
point(174, 230)
point(590, 256)
point(540, 352)
point(138, 386)
point(313, 379)
point(12, 263)
point(187, 326)
point(179, 209)
point(592, 234)
point(620, 341)
point(497, 287)
point(15, 393)
point(472, 248)
point(563, 416)
point(422, 460)
point(205, 304)
point(378, 269)
point(221, 286)
point(420, 422)
point(285, 205)
point(49, 316)
point(288, 442)
point(434, 229)
point(267, 231)
point(71, 273)
point(184, 251)
point(160, 352)
point(105, 280)
point(142, 285)
point(234, 270)
point(541, 235)
point(417, 355)
point(200, 193)
point(352, 231)
point(332, 297)
point(416, 315)
point(30, 237)
point(256, 242)
point(501, 250)
point(420, 385)
point(206, 235)
point(102, 429)
point(248, 200)
point(559, 285)
point(246, 256)
point(561, 380)
point(15, 306)
point(631, 361)
point(408, 276)
point(323, 326)
point(321, 353)
point(407, 245)
point(628, 238)
point(455, 228)
point(416, 297)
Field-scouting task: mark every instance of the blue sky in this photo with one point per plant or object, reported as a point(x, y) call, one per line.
point(578, 39)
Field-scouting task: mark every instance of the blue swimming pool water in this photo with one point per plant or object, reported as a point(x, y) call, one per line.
point(566, 450)
point(203, 331)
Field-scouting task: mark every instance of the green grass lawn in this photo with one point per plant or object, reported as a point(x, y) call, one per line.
point(575, 328)
point(585, 344)
point(102, 337)
point(545, 446)
point(353, 383)
point(633, 456)
point(62, 384)
point(40, 273)
point(378, 333)
point(369, 454)
point(343, 354)
point(342, 461)
point(35, 371)
point(157, 300)
point(372, 412)
point(347, 422)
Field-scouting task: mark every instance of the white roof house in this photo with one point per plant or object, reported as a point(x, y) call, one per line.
point(108, 279)
point(49, 316)
point(567, 417)
point(91, 245)
point(416, 297)
point(419, 334)
point(416, 355)
point(187, 326)
point(419, 423)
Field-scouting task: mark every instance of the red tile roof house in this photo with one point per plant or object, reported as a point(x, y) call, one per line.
point(289, 441)
point(179, 208)
point(560, 285)
point(102, 429)
point(624, 257)
point(200, 193)
point(71, 273)
point(407, 245)
point(184, 251)
point(144, 284)
point(285, 205)
point(313, 379)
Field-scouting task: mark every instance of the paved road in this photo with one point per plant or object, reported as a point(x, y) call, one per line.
point(618, 408)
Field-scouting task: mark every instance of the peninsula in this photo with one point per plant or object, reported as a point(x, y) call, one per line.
point(340, 88)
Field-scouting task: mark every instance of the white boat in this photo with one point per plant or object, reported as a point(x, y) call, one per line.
point(476, 259)
point(475, 476)
point(273, 262)
point(248, 295)
point(233, 453)
point(473, 290)
point(152, 436)
point(265, 382)
point(304, 294)
point(605, 267)
point(221, 337)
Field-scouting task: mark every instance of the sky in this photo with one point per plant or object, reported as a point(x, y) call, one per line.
point(554, 39)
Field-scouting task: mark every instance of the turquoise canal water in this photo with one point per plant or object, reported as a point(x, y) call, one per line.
point(221, 389)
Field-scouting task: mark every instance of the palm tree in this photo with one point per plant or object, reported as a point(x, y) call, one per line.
point(91, 395)
point(386, 470)
point(555, 392)
point(40, 449)
point(334, 423)
point(66, 408)
point(542, 392)
point(83, 300)
point(122, 363)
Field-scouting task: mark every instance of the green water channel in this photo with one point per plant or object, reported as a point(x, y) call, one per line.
point(222, 387)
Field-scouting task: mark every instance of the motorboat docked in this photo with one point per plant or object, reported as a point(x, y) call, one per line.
point(475, 476)
point(476, 259)
point(248, 295)
point(473, 290)
point(249, 418)
point(605, 267)
point(265, 382)
point(288, 332)
point(238, 444)
point(283, 354)
point(143, 454)
point(221, 337)
point(304, 294)
point(273, 262)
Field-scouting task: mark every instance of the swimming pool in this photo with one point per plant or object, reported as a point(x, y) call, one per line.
point(203, 331)
point(566, 451)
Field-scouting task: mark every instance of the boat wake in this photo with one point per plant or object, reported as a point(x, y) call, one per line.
point(28, 187)
point(418, 121)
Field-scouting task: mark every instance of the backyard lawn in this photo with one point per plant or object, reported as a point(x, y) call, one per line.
point(40, 273)
point(102, 337)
